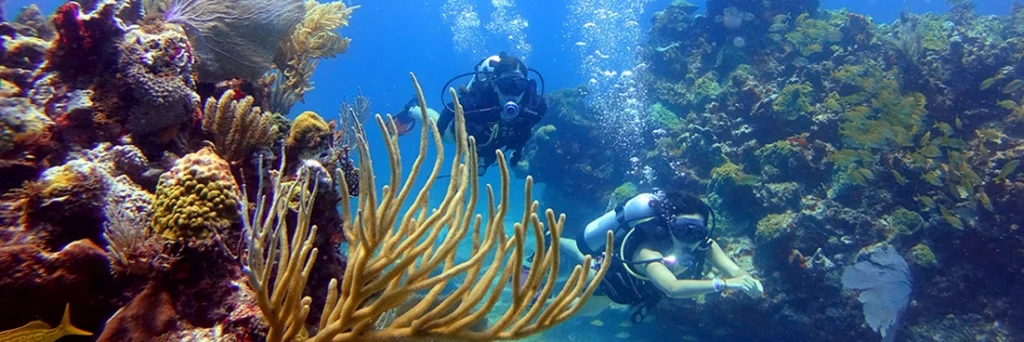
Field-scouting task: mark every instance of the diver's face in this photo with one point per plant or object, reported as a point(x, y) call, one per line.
point(688, 231)
point(510, 86)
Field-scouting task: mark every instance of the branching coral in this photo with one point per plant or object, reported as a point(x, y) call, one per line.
point(235, 39)
point(314, 38)
point(393, 257)
point(237, 127)
point(195, 197)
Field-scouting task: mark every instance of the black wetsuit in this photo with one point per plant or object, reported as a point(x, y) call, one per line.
point(483, 116)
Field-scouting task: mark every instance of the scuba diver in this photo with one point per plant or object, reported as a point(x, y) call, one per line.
point(501, 105)
point(662, 243)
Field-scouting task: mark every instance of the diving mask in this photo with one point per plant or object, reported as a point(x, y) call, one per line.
point(511, 84)
point(688, 229)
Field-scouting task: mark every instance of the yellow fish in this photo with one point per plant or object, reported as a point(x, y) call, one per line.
point(39, 331)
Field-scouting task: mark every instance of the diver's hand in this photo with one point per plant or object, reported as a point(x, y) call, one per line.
point(752, 287)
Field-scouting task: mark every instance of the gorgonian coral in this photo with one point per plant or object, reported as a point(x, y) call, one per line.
point(197, 195)
point(235, 39)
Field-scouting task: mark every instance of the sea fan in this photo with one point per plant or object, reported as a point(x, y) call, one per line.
point(235, 38)
point(885, 281)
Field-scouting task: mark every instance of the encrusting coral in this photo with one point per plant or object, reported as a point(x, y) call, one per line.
point(237, 127)
point(309, 136)
point(195, 197)
point(391, 257)
point(156, 64)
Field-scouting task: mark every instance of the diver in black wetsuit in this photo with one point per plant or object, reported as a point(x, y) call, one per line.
point(501, 106)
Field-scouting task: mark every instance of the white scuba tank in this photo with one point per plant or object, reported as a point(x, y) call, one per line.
point(636, 210)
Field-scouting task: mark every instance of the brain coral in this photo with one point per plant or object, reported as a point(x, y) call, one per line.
point(156, 62)
point(198, 194)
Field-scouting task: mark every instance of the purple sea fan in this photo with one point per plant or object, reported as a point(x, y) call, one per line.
point(235, 38)
point(884, 280)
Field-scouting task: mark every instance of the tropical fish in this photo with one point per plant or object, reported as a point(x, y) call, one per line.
point(990, 135)
point(927, 201)
point(597, 323)
point(1007, 104)
point(39, 331)
point(990, 81)
point(985, 201)
point(1007, 169)
point(971, 176)
point(930, 151)
point(959, 124)
point(944, 127)
point(932, 178)
point(1014, 86)
point(622, 335)
point(951, 218)
point(927, 137)
point(954, 143)
point(899, 177)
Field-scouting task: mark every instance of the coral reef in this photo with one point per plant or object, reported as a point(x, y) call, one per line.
point(815, 133)
point(111, 199)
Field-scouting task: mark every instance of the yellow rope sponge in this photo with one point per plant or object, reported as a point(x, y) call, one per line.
point(197, 195)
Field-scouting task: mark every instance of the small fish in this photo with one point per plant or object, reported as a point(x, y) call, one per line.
point(990, 135)
point(39, 331)
point(1007, 170)
point(932, 178)
point(955, 157)
point(964, 189)
point(985, 201)
point(1008, 104)
point(926, 138)
point(625, 324)
point(951, 218)
point(969, 174)
point(956, 143)
point(1013, 87)
point(597, 323)
point(918, 159)
point(959, 124)
point(927, 201)
point(987, 83)
point(944, 127)
point(622, 335)
point(899, 177)
point(930, 151)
